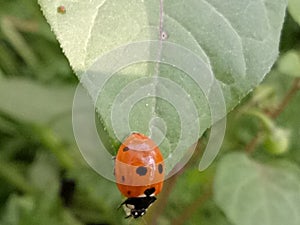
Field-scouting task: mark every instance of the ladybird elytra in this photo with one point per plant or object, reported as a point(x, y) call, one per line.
point(139, 172)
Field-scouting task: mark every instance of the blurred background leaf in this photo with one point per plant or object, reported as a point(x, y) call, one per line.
point(237, 60)
point(268, 194)
point(294, 8)
point(289, 63)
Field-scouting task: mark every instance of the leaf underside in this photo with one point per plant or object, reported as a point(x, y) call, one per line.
point(236, 40)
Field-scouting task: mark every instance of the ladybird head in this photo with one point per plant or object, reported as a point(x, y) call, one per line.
point(137, 206)
point(140, 206)
point(136, 213)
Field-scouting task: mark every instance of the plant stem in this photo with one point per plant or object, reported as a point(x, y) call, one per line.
point(18, 41)
point(12, 175)
point(253, 143)
point(169, 184)
point(286, 100)
point(275, 113)
point(162, 200)
point(189, 211)
point(54, 144)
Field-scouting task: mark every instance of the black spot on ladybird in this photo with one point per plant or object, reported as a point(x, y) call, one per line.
point(149, 191)
point(160, 168)
point(125, 149)
point(129, 192)
point(141, 171)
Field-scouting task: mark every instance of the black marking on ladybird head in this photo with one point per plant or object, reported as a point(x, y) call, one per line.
point(136, 213)
point(141, 170)
point(160, 168)
point(138, 205)
point(125, 149)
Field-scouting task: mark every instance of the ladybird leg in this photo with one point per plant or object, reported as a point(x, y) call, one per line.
point(128, 211)
point(123, 203)
point(129, 202)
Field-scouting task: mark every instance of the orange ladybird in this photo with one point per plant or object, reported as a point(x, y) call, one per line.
point(139, 172)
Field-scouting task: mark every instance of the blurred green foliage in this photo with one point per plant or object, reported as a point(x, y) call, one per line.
point(43, 178)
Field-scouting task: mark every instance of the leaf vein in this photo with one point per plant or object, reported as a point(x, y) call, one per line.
point(192, 36)
point(226, 20)
point(89, 35)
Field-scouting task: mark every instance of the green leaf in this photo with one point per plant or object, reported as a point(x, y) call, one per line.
point(44, 173)
point(235, 40)
point(289, 63)
point(15, 207)
point(34, 103)
point(252, 193)
point(294, 9)
point(43, 209)
point(12, 175)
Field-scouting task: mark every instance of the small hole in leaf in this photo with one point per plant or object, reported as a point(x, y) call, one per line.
point(164, 35)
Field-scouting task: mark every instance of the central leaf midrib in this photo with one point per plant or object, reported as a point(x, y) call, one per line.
point(158, 59)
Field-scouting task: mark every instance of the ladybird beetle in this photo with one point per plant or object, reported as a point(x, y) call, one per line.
point(139, 172)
